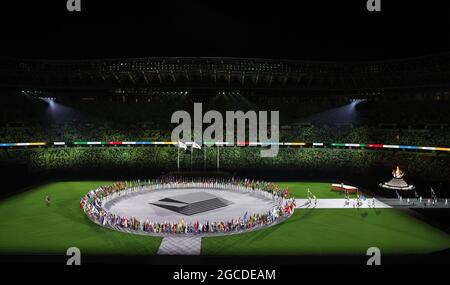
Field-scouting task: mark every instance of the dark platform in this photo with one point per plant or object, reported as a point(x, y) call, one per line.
point(193, 203)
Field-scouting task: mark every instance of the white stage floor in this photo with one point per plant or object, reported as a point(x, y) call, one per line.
point(138, 205)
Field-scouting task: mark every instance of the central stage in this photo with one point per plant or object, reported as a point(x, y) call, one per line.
point(193, 203)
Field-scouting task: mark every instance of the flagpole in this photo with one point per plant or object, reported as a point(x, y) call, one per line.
point(217, 157)
point(191, 155)
point(204, 157)
point(178, 158)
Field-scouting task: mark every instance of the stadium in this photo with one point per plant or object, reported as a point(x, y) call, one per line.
point(102, 133)
point(89, 160)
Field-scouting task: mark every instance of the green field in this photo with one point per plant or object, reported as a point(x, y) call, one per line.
point(29, 226)
point(319, 189)
point(335, 231)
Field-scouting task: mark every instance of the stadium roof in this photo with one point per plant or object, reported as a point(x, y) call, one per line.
point(226, 73)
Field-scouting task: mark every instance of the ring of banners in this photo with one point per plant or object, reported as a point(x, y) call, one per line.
point(93, 206)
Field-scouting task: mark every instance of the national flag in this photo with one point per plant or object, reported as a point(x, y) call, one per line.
point(82, 202)
point(182, 145)
point(433, 194)
point(196, 145)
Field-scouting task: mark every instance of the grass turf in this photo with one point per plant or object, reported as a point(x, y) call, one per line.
point(335, 231)
point(319, 189)
point(29, 226)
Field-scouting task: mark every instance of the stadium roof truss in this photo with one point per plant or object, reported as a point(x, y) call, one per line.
point(223, 73)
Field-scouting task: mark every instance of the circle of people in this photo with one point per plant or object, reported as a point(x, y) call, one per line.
point(92, 204)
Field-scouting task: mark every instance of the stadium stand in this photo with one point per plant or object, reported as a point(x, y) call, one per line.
point(133, 99)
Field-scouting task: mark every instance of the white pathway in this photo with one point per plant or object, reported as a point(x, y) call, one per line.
point(180, 246)
point(338, 204)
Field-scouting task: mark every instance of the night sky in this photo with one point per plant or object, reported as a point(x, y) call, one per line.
point(308, 30)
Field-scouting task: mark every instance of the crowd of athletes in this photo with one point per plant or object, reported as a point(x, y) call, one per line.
point(93, 206)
